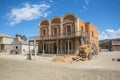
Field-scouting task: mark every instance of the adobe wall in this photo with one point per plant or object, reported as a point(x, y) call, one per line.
point(92, 33)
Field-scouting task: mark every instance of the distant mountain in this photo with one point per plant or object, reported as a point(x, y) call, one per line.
point(104, 42)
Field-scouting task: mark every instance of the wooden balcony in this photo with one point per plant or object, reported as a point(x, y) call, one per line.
point(60, 36)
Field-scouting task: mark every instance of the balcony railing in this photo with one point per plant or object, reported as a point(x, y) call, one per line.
point(55, 36)
point(60, 51)
point(59, 36)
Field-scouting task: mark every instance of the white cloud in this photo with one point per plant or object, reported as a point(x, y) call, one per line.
point(86, 4)
point(84, 7)
point(110, 30)
point(28, 12)
point(109, 34)
point(51, 1)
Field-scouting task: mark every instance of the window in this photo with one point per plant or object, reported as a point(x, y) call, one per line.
point(44, 32)
point(55, 31)
point(68, 29)
point(16, 47)
point(92, 34)
point(82, 28)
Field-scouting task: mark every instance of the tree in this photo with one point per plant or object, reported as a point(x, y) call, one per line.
point(23, 37)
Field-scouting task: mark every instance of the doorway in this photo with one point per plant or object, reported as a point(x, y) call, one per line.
point(54, 48)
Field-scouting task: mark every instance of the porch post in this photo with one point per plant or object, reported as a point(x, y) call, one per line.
point(48, 48)
point(43, 48)
point(29, 51)
point(68, 46)
point(35, 49)
point(52, 48)
point(61, 47)
point(29, 47)
point(57, 46)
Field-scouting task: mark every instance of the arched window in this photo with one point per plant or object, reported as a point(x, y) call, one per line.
point(55, 31)
point(44, 23)
point(69, 18)
point(56, 21)
point(44, 32)
point(68, 30)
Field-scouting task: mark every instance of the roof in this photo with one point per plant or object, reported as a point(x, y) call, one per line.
point(116, 41)
point(4, 36)
point(16, 41)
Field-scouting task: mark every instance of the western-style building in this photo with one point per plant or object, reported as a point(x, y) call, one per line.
point(64, 35)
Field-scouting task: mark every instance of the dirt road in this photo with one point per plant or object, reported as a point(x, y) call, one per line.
point(17, 69)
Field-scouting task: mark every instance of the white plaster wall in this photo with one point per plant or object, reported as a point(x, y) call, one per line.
point(7, 40)
point(13, 47)
point(25, 49)
point(8, 47)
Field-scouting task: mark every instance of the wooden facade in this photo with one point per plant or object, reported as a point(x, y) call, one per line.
point(64, 35)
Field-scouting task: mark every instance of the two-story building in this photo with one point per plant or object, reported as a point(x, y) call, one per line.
point(64, 35)
point(5, 43)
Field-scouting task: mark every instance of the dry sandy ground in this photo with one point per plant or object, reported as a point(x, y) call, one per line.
point(101, 67)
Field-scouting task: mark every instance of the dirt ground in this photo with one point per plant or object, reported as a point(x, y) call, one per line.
point(101, 67)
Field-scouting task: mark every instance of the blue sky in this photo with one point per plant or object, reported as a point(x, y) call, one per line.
point(22, 16)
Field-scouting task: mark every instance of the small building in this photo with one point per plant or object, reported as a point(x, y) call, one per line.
point(115, 45)
point(104, 45)
point(5, 43)
point(19, 46)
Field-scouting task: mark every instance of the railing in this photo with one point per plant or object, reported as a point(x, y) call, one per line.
point(68, 34)
point(58, 36)
point(60, 51)
point(55, 36)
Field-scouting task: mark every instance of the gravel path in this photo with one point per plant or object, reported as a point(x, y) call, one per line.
point(26, 70)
